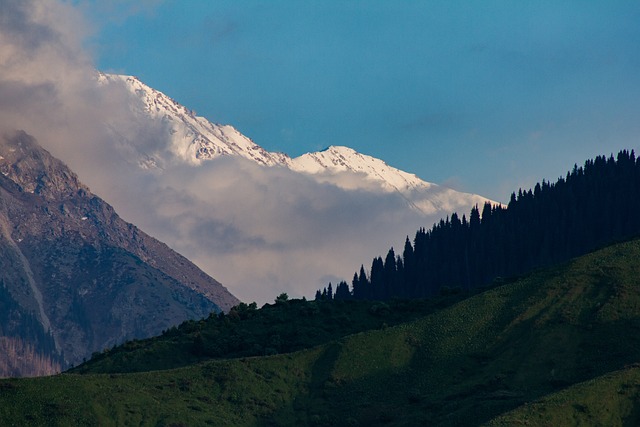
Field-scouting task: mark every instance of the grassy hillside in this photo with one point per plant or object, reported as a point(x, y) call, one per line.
point(462, 365)
point(283, 327)
point(610, 400)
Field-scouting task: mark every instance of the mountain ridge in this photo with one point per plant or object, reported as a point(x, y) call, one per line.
point(197, 139)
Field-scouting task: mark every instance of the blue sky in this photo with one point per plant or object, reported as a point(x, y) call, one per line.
point(485, 97)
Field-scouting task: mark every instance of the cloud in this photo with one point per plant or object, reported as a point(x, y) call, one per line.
point(47, 80)
point(40, 40)
point(263, 231)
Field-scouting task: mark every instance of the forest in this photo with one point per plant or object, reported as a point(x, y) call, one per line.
point(593, 206)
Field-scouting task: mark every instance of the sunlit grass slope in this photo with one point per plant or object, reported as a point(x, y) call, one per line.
point(462, 365)
point(245, 331)
point(610, 400)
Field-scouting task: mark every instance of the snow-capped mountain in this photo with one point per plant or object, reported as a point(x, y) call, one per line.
point(195, 139)
point(262, 223)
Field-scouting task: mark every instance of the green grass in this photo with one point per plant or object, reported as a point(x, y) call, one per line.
point(610, 400)
point(511, 347)
point(247, 331)
point(213, 393)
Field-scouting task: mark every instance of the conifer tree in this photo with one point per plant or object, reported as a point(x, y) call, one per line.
point(342, 291)
point(389, 275)
point(377, 279)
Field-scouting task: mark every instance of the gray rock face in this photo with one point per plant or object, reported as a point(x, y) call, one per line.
point(89, 278)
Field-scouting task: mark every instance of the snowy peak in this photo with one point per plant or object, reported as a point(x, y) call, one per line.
point(192, 138)
point(337, 159)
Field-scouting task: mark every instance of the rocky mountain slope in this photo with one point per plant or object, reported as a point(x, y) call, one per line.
point(86, 278)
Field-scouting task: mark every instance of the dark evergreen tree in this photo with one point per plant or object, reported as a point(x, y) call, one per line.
point(389, 275)
point(410, 276)
point(360, 284)
point(355, 286)
point(400, 281)
point(342, 291)
point(377, 279)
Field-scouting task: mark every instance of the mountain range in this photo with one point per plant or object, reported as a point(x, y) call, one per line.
point(552, 346)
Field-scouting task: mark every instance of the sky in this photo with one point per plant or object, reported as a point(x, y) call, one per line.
point(485, 97)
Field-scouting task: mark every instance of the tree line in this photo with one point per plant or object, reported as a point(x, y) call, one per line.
point(593, 206)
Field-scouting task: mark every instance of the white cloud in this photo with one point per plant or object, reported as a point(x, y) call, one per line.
point(263, 231)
